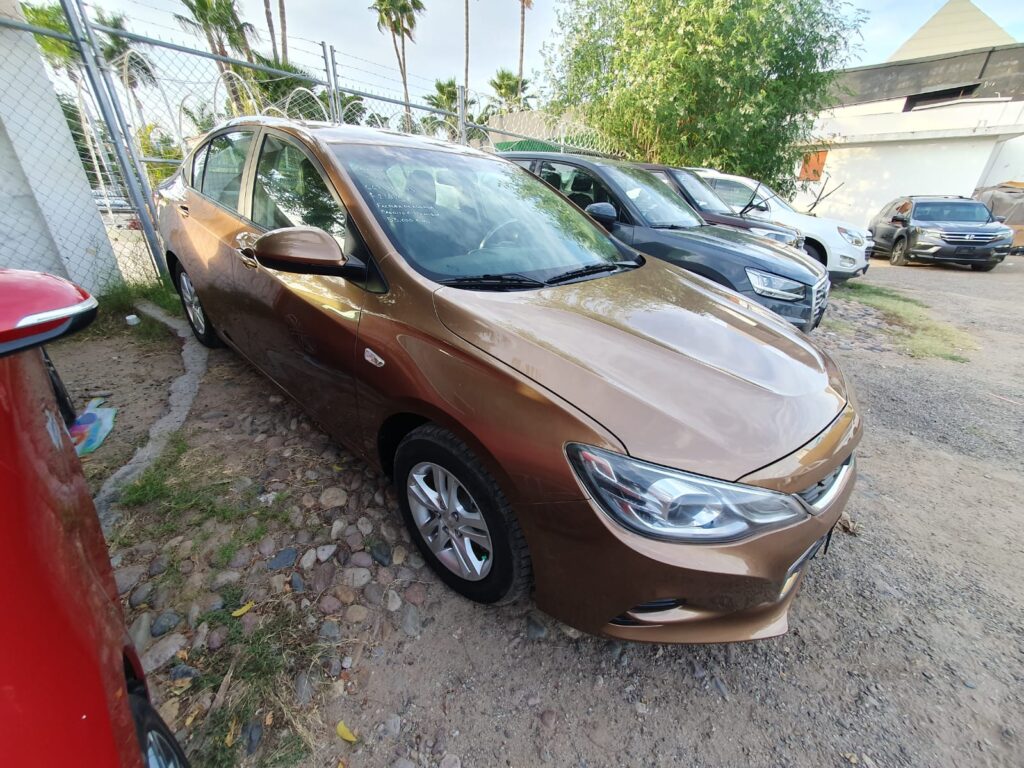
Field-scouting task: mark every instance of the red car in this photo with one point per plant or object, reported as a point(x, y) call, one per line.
point(72, 691)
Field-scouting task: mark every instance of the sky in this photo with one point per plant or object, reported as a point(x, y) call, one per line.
point(367, 60)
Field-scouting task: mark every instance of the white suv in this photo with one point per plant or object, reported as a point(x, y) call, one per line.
point(841, 247)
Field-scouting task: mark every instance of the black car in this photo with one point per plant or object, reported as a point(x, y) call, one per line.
point(941, 229)
point(643, 212)
point(714, 210)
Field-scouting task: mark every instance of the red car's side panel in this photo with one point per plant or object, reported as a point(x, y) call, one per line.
point(63, 699)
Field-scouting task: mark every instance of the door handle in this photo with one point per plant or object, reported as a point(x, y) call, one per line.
point(248, 257)
point(246, 252)
point(183, 210)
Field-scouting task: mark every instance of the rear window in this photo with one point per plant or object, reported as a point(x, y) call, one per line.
point(224, 163)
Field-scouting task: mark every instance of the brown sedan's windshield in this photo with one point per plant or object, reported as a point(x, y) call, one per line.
point(453, 215)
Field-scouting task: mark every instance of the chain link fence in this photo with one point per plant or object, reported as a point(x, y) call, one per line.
point(111, 113)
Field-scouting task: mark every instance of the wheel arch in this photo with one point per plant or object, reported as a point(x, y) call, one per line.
point(820, 246)
point(172, 267)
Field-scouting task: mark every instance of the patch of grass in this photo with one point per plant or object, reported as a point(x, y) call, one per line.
point(834, 324)
point(921, 334)
point(224, 554)
point(121, 297)
point(255, 534)
point(290, 750)
point(212, 752)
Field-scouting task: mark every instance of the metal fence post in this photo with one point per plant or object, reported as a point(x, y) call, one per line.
point(106, 99)
point(330, 83)
point(336, 90)
point(463, 138)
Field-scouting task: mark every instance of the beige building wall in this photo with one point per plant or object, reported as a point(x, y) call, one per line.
point(959, 25)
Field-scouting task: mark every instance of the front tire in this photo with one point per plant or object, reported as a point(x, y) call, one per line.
point(898, 255)
point(159, 747)
point(459, 517)
point(816, 251)
point(201, 326)
point(983, 267)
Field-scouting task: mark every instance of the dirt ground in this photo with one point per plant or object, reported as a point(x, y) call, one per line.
point(906, 644)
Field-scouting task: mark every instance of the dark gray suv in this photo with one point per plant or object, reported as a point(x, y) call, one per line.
point(648, 215)
point(955, 230)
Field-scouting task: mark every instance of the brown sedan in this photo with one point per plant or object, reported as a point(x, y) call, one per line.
point(656, 457)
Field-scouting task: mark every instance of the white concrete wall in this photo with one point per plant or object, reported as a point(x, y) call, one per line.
point(1007, 163)
point(49, 218)
point(874, 174)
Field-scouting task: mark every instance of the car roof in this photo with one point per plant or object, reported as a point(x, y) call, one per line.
point(940, 198)
point(584, 160)
point(318, 131)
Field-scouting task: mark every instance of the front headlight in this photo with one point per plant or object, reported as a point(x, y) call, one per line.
point(774, 286)
point(933, 234)
point(773, 234)
point(669, 504)
point(853, 238)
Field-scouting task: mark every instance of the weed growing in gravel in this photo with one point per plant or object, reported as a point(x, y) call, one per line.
point(119, 300)
point(224, 554)
point(921, 334)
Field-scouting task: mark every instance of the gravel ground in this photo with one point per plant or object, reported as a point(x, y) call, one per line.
point(905, 647)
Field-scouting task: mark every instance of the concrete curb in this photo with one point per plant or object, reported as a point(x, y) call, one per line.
point(179, 401)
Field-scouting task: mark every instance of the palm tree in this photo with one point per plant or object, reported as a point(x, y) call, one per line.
point(132, 66)
point(446, 97)
point(398, 17)
point(523, 5)
point(270, 28)
point(218, 21)
point(284, 31)
point(510, 92)
point(59, 54)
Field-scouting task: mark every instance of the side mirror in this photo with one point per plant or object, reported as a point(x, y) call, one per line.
point(899, 218)
point(38, 308)
point(603, 213)
point(761, 206)
point(306, 250)
point(1000, 219)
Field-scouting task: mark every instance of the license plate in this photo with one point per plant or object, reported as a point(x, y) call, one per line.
point(964, 249)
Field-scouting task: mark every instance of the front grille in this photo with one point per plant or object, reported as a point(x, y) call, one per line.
point(969, 238)
point(813, 494)
point(819, 300)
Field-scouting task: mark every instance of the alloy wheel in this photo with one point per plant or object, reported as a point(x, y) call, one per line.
point(450, 521)
point(192, 304)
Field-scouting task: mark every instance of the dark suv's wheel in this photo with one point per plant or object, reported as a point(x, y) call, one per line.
point(159, 747)
point(197, 319)
point(459, 518)
point(898, 255)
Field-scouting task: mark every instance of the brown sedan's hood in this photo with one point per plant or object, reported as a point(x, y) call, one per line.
point(683, 373)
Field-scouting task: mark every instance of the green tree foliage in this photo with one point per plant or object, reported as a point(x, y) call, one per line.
point(154, 143)
point(510, 92)
point(732, 84)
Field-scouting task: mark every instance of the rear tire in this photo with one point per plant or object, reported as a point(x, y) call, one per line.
point(983, 267)
point(493, 564)
point(159, 747)
point(898, 255)
point(198, 320)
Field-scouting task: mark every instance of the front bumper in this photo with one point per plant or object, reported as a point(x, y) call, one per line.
point(849, 261)
point(933, 252)
point(595, 575)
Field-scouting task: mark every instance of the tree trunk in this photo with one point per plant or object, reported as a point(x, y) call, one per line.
point(400, 55)
point(270, 27)
point(465, 80)
point(284, 31)
point(522, 40)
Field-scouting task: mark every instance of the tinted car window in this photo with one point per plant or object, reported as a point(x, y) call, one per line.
point(974, 213)
point(699, 190)
point(198, 163)
point(659, 205)
point(225, 161)
point(579, 185)
point(290, 191)
point(453, 215)
point(734, 193)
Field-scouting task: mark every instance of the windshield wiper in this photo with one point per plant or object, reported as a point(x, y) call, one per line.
point(592, 269)
point(508, 280)
point(674, 226)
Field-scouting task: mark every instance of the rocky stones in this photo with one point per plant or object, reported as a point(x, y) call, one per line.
point(308, 559)
point(399, 555)
point(242, 558)
point(140, 594)
point(411, 621)
point(278, 582)
point(330, 632)
point(332, 666)
point(373, 593)
point(450, 761)
point(218, 636)
point(415, 560)
point(164, 623)
point(392, 602)
point(392, 726)
point(389, 532)
point(354, 541)
point(356, 614)
point(547, 718)
point(158, 565)
point(403, 762)
point(224, 578)
point(267, 545)
point(416, 593)
point(380, 551)
point(140, 631)
point(283, 559)
point(364, 525)
point(323, 577)
point(329, 604)
point(303, 689)
point(325, 552)
point(162, 651)
point(249, 622)
point(127, 577)
point(334, 496)
point(183, 672)
point(298, 585)
point(252, 734)
point(535, 628)
point(361, 559)
point(346, 594)
point(201, 637)
point(356, 578)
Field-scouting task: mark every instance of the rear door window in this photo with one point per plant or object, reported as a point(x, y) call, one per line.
point(732, 192)
point(223, 168)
